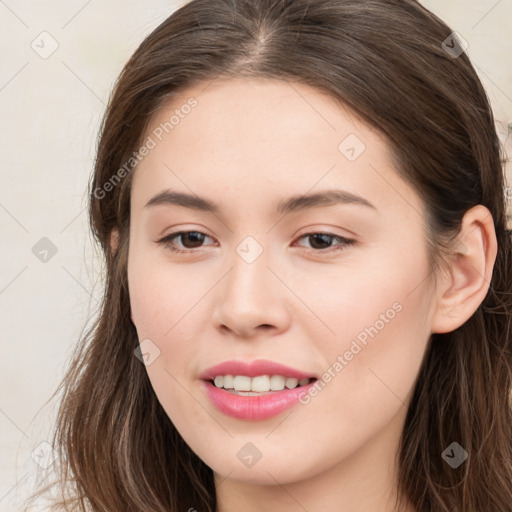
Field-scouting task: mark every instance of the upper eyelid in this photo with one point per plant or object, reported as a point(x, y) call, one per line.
point(310, 232)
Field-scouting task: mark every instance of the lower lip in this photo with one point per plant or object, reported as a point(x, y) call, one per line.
point(254, 408)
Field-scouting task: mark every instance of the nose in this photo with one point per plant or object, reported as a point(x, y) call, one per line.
point(251, 300)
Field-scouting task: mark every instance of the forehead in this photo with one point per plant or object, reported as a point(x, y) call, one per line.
point(258, 137)
point(239, 109)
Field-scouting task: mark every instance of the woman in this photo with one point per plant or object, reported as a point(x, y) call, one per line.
point(308, 302)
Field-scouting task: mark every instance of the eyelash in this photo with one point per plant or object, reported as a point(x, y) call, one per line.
point(167, 241)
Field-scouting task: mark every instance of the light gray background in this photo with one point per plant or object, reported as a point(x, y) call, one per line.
point(50, 113)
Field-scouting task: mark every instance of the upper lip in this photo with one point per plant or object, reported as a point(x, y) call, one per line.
point(253, 369)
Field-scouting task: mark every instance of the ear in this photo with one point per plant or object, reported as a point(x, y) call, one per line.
point(114, 239)
point(463, 288)
point(114, 244)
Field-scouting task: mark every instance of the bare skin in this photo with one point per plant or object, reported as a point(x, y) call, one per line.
point(247, 146)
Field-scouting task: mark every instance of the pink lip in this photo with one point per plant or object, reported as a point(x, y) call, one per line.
point(253, 408)
point(253, 369)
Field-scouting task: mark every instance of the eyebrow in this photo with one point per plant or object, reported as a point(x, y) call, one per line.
point(289, 205)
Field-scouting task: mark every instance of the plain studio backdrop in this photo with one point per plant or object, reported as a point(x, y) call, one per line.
point(59, 62)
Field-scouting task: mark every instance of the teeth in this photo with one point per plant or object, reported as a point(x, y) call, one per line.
point(259, 384)
point(277, 383)
point(241, 383)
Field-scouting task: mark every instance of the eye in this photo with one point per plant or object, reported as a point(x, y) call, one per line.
point(194, 239)
point(320, 240)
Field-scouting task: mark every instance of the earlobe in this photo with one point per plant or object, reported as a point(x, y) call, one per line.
point(114, 244)
point(114, 239)
point(464, 287)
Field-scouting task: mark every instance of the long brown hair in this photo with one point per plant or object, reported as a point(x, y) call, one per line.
point(388, 60)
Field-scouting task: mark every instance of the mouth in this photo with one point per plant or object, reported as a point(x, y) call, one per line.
point(244, 385)
point(257, 389)
point(256, 398)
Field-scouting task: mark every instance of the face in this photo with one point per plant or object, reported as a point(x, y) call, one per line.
point(337, 290)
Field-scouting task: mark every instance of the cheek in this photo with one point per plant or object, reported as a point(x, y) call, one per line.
point(367, 289)
point(162, 306)
point(161, 295)
point(169, 307)
point(376, 306)
point(381, 319)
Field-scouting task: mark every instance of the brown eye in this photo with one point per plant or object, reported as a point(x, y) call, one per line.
point(321, 241)
point(190, 240)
